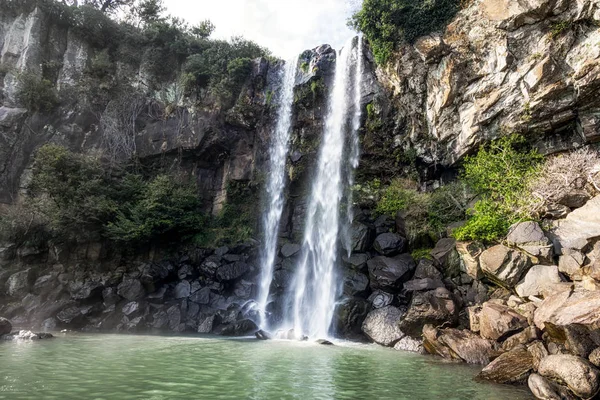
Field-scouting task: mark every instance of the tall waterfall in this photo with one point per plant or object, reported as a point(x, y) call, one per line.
point(316, 283)
point(276, 184)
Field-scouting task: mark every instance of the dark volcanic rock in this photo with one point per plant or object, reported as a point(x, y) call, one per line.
point(240, 328)
point(389, 273)
point(355, 283)
point(389, 244)
point(350, 314)
point(233, 271)
point(131, 289)
point(436, 307)
point(290, 249)
point(5, 326)
point(182, 290)
point(263, 335)
point(380, 299)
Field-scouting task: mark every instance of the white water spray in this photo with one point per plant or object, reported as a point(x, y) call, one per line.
point(316, 283)
point(276, 185)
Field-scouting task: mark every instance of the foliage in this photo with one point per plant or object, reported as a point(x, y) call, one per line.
point(386, 23)
point(498, 174)
point(23, 225)
point(36, 93)
point(421, 253)
point(203, 30)
point(558, 28)
point(82, 200)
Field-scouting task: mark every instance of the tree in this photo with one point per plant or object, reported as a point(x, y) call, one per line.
point(107, 6)
point(204, 29)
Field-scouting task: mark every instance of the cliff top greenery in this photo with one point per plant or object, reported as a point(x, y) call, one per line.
point(386, 23)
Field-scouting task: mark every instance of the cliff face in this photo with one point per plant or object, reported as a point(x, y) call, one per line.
point(528, 66)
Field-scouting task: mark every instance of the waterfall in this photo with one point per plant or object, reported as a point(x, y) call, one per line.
point(316, 283)
point(276, 184)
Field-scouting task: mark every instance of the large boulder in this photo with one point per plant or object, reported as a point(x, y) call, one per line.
point(5, 326)
point(361, 237)
point(18, 283)
point(530, 238)
point(436, 307)
point(419, 285)
point(182, 290)
point(446, 256)
point(411, 345)
point(455, 344)
point(389, 274)
point(389, 244)
point(497, 321)
point(357, 261)
point(503, 265)
point(350, 315)
point(355, 283)
point(545, 389)
point(469, 253)
point(380, 299)
point(578, 228)
point(231, 272)
point(426, 269)
point(131, 289)
point(381, 325)
point(511, 367)
point(578, 374)
point(541, 280)
point(569, 307)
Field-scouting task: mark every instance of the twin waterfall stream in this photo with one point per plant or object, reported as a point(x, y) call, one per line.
point(311, 299)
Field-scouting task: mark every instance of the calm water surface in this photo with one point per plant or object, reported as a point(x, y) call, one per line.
point(149, 367)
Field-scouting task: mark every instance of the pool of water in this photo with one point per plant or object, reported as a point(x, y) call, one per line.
point(75, 366)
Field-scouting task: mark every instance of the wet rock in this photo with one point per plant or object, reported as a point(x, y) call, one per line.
point(160, 320)
point(27, 335)
point(361, 237)
point(131, 289)
point(323, 342)
point(388, 274)
point(110, 296)
point(174, 318)
point(69, 314)
point(355, 283)
point(578, 374)
point(158, 297)
point(497, 321)
point(541, 280)
point(263, 335)
point(233, 271)
point(435, 307)
point(290, 249)
point(130, 308)
point(511, 367)
point(503, 265)
point(455, 344)
point(350, 315)
point(18, 284)
point(529, 237)
point(243, 289)
point(545, 389)
point(380, 299)
point(419, 285)
point(182, 290)
point(206, 324)
point(209, 267)
point(356, 262)
point(389, 244)
point(411, 345)
point(381, 325)
point(446, 256)
point(5, 326)
point(240, 328)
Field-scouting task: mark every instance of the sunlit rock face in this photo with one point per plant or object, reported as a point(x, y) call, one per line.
point(500, 66)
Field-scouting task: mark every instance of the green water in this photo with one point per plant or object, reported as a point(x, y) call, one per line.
point(148, 367)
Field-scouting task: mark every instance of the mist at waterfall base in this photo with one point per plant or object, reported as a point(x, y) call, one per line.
point(311, 299)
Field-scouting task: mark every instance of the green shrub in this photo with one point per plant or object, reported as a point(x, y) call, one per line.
point(558, 28)
point(498, 174)
point(386, 23)
point(421, 253)
point(35, 93)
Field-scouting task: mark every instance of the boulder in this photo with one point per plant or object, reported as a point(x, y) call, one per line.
point(545, 389)
point(5, 326)
point(323, 342)
point(426, 269)
point(231, 272)
point(361, 237)
point(578, 374)
point(18, 284)
point(350, 314)
point(240, 328)
point(355, 283)
point(130, 308)
point(446, 256)
point(511, 367)
point(570, 307)
point(571, 264)
point(389, 244)
point(379, 299)
point(389, 273)
point(436, 307)
point(409, 344)
point(419, 285)
point(206, 324)
point(290, 249)
point(182, 290)
point(357, 262)
point(263, 335)
point(578, 228)
point(469, 253)
point(527, 335)
point(455, 344)
point(131, 289)
point(110, 296)
point(541, 281)
point(594, 357)
point(538, 351)
point(530, 238)
point(497, 321)
point(503, 265)
point(573, 198)
point(381, 325)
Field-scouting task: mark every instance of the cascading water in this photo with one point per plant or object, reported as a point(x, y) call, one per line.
point(316, 287)
point(276, 185)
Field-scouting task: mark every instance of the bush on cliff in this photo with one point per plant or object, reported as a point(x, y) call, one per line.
point(35, 93)
point(499, 174)
point(386, 23)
